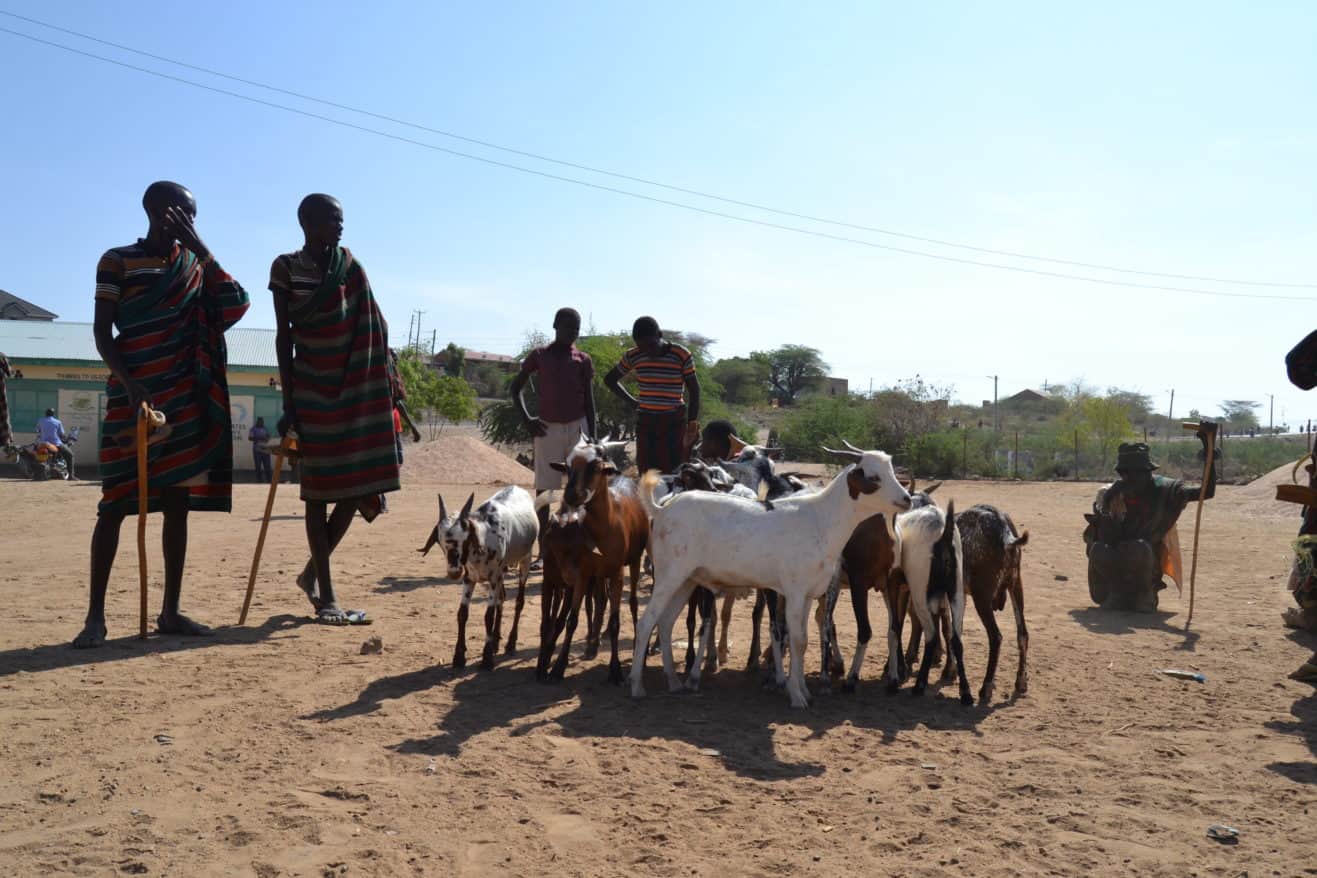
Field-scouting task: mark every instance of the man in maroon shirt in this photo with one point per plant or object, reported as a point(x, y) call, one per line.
point(565, 390)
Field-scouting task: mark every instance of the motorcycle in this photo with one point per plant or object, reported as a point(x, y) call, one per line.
point(41, 460)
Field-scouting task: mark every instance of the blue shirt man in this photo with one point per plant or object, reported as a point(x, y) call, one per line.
point(49, 429)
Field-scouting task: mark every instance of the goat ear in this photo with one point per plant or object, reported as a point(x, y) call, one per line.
point(933, 487)
point(443, 510)
point(951, 520)
point(1022, 539)
point(466, 510)
point(1091, 518)
point(559, 466)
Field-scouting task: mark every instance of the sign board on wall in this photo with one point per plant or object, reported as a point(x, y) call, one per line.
point(242, 411)
point(82, 409)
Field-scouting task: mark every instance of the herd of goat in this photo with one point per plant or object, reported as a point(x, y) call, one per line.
point(735, 529)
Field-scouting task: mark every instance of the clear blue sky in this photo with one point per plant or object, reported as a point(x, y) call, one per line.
point(1174, 137)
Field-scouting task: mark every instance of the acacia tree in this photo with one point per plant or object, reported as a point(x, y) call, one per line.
point(791, 369)
point(1105, 421)
point(1240, 414)
point(744, 379)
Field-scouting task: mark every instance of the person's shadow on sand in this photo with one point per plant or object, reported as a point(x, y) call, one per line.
point(62, 655)
point(1304, 723)
point(1118, 622)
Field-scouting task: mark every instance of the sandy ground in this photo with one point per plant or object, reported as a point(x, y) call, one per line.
point(278, 749)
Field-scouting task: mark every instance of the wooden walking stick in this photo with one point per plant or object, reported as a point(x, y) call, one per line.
point(287, 446)
point(1198, 518)
point(143, 493)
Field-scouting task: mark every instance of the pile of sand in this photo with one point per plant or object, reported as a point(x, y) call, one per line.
point(457, 459)
point(1264, 487)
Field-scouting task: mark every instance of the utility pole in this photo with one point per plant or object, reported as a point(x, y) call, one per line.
point(996, 421)
point(434, 337)
point(1271, 426)
point(411, 327)
point(1170, 416)
point(870, 388)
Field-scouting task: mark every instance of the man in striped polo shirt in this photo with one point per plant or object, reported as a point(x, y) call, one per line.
point(666, 423)
point(170, 303)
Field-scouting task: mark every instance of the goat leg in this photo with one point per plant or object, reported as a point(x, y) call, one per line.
point(756, 619)
point(572, 615)
point(463, 611)
point(523, 574)
point(931, 634)
point(706, 601)
point(692, 608)
point(863, 631)
point(1021, 639)
point(989, 620)
point(728, 600)
point(548, 629)
point(949, 669)
point(615, 625)
point(596, 605)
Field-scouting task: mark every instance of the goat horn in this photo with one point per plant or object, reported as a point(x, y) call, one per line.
point(852, 447)
point(852, 455)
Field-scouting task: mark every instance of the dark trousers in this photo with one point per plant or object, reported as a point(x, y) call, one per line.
point(659, 440)
point(264, 470)
point(67, 456)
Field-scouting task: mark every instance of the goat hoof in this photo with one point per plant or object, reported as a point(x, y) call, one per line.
point(918, 691)
point(591, 652)
point(615, 676)
point(967, 699)
point(692, 684)
point(487, 662)
point(510, 648)
point(459, 661)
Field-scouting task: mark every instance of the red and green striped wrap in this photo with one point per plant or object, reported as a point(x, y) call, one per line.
point(171, 338)
point(341, 387)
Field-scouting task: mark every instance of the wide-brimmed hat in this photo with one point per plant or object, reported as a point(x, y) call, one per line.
point(1134, 456)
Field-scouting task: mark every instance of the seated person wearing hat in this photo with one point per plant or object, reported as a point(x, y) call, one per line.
point(1131, 536)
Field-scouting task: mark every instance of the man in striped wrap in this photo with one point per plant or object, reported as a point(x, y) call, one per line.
point(333, 351)
point(171, 304)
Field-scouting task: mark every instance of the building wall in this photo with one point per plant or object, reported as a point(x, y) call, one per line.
point(76, 390)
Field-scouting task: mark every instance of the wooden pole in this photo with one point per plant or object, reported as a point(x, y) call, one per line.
point(143, 503)
point(1076, 455)
point(1015, 465)
point(284, 446)
point(964, 455)
point(1198, 518)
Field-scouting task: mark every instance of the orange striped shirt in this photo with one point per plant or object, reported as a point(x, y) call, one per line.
point(661, 377)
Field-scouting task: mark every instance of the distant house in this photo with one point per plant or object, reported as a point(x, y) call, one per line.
point(1025, 395)
point(826, 386)
point(14, 308)
point(502, 362)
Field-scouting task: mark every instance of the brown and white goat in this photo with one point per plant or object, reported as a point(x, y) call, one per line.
point(600, 528)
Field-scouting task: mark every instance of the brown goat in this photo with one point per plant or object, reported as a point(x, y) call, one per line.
point(993, 550)
point(600, 528)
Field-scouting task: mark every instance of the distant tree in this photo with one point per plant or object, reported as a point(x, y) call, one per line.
point(1240, 414)
point(438, 398)
point(1138, 406)
point(1106, 424)
point(791, 369)
point(824, 420)
point(454, 360)
point(744, 380)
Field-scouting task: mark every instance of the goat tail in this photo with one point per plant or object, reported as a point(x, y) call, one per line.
point(648, 482)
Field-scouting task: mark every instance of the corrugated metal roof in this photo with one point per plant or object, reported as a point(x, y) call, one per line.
point(14, 308)
point(61, 340)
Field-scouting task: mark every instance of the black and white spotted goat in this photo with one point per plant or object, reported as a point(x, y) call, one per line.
point(481, 546)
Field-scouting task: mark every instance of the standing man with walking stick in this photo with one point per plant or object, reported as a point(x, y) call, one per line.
point(171, 304)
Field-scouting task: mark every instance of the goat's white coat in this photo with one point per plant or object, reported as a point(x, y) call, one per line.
point(719, 541)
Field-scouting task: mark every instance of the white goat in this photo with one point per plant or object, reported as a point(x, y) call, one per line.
point(928, 546)
point(481, 547)
point(794, 549)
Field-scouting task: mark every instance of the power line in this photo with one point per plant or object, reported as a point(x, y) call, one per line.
point(647, 181)
point(650, 198)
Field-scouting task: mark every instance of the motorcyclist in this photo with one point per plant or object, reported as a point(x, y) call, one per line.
point(51, 431)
